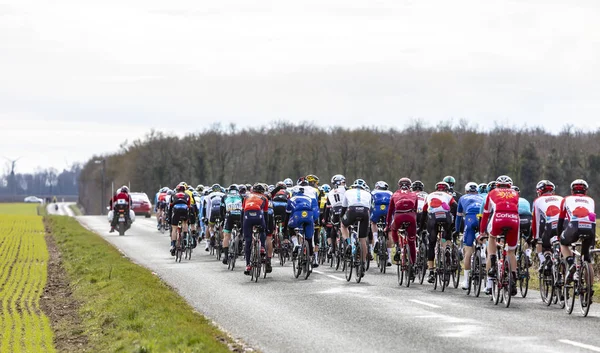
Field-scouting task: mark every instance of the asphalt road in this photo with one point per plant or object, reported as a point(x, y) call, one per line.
point(63, 209)
point(327, 314)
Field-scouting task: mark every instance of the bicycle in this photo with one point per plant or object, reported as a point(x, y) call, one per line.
point(420, 267)
point(442, 260)
point(353, 258)
point(218, 239)
point(580, 283)
point(188, 246)
point(559, 271)
point(178, 247)
point(523, 265)
point(302, 260)
point(455, 267)
point(339, 249)
point(255, 255)
point(477, 274)
point(323, 247)
point(503, 280)
point(404, 266)
point(381, 248)
point(233, 247)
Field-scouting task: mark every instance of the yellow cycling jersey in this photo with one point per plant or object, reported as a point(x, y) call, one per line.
point(322, 201)
point(191, 195)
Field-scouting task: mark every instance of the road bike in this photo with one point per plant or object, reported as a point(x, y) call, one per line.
point(381, 247)
point(233, 247)
point(256, 257)
point(323, 247)
point(443, 259)
point(178, 243)
point(523, 265)
point(353, 256)
point(503, 280)
point(404, 266)
point(218, 247)
point(301, 261)
point(579, 281)
point(477, 273)
point(420, 267)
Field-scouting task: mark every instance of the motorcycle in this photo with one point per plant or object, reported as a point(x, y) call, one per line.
point(124, 221)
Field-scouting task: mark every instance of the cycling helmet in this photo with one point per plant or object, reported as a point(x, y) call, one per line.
point(326, 188)
point(544, 186)
point(271, 187)
point(258, 188)
point(302, 181)
point(450, 181)
point(516, 188)
point(170, 192)
point(216, 188)
point(417, 185)
point(288, 182)
point(242, 189)
point(163, 189)
point(312, 179)
point(280, 185)
point(185, 185)
point(579, 186)
point(180, 188)
point(200, 188)
point(381, 185)
point(206, 192)
point(195, 194)
point(504, 181)
point(491, 186)
point(471, 187)
point(338, 179)
point(482, 188)
point(404, 183)
point(442, 186)
point(233, 187)
point(359, 183)
point(125, 189)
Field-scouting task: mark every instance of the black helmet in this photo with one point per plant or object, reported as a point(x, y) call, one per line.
point(258, 188)
point(233, 187)
point(417, 185)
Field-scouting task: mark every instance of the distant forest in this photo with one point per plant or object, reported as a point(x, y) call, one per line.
point(41, 183)
point(271, 153)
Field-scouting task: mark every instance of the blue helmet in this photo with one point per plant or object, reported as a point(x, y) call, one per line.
point(326, 188)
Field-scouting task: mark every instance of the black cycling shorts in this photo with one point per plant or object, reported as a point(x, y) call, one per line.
point(574, 231)
point(179, 214)
point(230, 220)
point(355, 214)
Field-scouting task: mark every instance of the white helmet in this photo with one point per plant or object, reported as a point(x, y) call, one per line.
point(504, 180)
point(471, 187)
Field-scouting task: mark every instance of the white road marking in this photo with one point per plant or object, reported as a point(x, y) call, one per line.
point(581, 345)
point(424, 303)
point(330, 276)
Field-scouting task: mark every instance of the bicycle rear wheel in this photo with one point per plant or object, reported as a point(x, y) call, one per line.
point(476, 274)
point(399, 268)
point(447, 261)
point(422, 261)
point(348, 263)
point(560, 282)
point(456, 268)
point(585, 288)
point(569, 292)
point(358, 263)
point(496, 285)
point(523, 277)
point(507, 282)
point(307, 260)
point(232, 254)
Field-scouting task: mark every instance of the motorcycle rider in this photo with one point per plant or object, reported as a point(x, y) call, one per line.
point(121, 199)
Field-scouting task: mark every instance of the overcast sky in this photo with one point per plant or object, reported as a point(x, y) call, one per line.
point(79, 77)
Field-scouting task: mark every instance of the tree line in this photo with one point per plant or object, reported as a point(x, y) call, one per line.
point(43, 182)
point(227, 154)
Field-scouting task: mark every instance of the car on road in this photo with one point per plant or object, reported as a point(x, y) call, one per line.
point(33, 199)
point(141, 204)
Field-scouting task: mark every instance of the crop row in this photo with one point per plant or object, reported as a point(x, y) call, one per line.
point(23, 274)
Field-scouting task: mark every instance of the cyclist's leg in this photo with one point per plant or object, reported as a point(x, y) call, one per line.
point(468, 241)
point(363, 234)
point(432, 230)
point(411, 235)
point(309, 233)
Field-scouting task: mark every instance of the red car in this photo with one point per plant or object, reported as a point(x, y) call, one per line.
point(141, 204)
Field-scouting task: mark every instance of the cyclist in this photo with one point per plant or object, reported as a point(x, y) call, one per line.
point(436, 211)
point(313, 188)
point(179, 206)
point(356, 206)
point(579, 213)
point(160, 205)
point(379, 209)
point(501, 211)
point(403, 207)
point(289, 184)
point(255, 208)
point(333, 208)
point(418, 187)
point(303, 210)
point(212, 211)
point(546, 209)
point(231, 212)
point(456, 195)
point(242, 190)
point(524, 223)
point(468, 207)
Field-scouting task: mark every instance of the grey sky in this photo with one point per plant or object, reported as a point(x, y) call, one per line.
point(79, 77)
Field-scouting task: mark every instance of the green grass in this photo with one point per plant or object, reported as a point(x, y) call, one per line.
point(19, 208)
point(23, 275)
point(125, 308)
point(76, 210)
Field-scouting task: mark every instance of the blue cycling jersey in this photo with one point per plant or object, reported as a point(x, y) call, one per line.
point(524, 207)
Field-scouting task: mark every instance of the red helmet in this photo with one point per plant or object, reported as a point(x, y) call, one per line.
point(442, 186)
point(180, 188)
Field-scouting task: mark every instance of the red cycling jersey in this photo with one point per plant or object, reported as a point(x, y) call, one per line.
point(121, 196)
point(255, 202)
point(502, 211)
point(402, 202)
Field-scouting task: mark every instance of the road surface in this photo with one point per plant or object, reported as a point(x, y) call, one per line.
point(63, 209)
point(327, 314)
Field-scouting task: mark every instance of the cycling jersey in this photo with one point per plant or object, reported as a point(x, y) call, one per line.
point(233, 204)
point(421, 197)
point(468, 207)
point(335, 198)
point(255, 202)
point(357, 197)
point(438, 204)
point(524, 207)
point(212, 206)
point(379, 204)
point(191, 196)
point(502, 211)
point(546, 210)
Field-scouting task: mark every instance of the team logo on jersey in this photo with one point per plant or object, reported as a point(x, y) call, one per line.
point(509, 194)
point(304, 214)
point(581, 212)
point(382, 207)
point(552, 211)
point(507, 215)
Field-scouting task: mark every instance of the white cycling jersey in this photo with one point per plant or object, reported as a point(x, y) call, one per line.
point(356, 198)
point(210, 200)
point(336, 197)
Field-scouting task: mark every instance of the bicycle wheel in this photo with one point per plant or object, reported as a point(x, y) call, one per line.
point(585, 288)
point(546, 287)
point(496, 285)
point(358, 263)
point(348, 263)
point(407, 264)
point(307, 260)
point(438, 266)
point(559, 282)
point(422, 261)
point(455, 267)
point(446, 268)
point(507, 283)
point(232, 253)
point(399, 268)
point(476, 274)
point(523, 279)
point(569, 292)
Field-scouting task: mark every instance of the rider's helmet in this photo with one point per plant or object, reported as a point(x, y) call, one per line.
point(242, 189)
point(313, 180)
point(442, 186)
point(163, 190)
point(338, 179)
point(516, 188)
point(579, 187)
point(288, 182)
point(417, 185)
point(491, 186)
point(471, 187)
point(271, 188)
point(281, 185)
point(125, 189)
point(482, 188)
point(359, 183)
point(216, 188)
point(544, 186)
point(233, 187)
point(258, 188)
point(504, 181)
point(450, 181)
point(404, 183)
point(200, 188)
point(302, 181)
point(381, 185)
point(326, 188)
point(180, 188)
point(184, 184)
point(170, 192)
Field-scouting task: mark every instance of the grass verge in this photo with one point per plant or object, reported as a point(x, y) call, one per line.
point(76, 210)
point(124, 307)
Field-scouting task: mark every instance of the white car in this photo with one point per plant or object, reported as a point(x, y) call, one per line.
point(33, 199)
